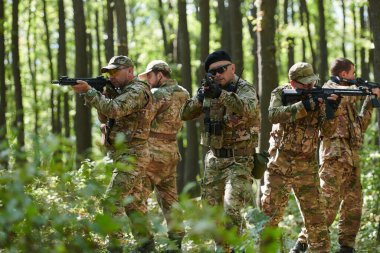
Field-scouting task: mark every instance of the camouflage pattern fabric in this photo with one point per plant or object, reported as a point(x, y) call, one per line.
point(340, 171)
point(131, 110)
point(161, 173)
point(227, 181)
point(292, 165)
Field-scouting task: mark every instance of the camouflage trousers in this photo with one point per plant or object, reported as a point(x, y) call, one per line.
point(227, 182)
point(341, 188)
point(286, 173)
point(161, 176)
point(124, 195)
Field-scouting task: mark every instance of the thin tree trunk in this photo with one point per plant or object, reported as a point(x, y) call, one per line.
point(3, 101)
point(374, 12)
point(289, 40)
point(344, 29)
point(303, 42)
point(19, 122)
point(224, 24)
point(236, 31)
point(97, 36)
point(122, 33)
point(109, 30)
point(192, 157)
point(53, 108)
point(82, 121)
point(322, 43)
point(62, 65)
point(305, 11)
point(353, 11)
point(364, 68)
point(252, 32)
point(163, 28)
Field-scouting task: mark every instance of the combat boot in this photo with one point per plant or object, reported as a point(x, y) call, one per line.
point(346, 249)
point(299, 247)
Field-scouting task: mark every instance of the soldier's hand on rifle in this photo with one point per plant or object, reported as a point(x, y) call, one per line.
point(311, 103)
point(376, 91)
point(334, 100)
point(212, 91)
point(200, 94)
point(81, 87)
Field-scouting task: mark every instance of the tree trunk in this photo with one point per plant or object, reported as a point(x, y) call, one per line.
point(82, 121)
point(252, 32)
point(192, 157)
point(267, 65)
point(236, 31)
point(204, 13)
point(364, 68)
point(305, 11)
point(224, 23)
point(19, 122)
point(289, 40)
point(62, 65)
point(3, 89)
point(122, 33)
point(303, 42)
point(322, 43)
point(97, 36)
point(163, 28)
point(344, 29)
point(109, 49)
point(53, 108)
point(374, 12)
point(354, 17)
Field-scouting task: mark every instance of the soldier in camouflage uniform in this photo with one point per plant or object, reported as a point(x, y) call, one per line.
point(161, 174)
point(340, 171)
point(125, 108)
point(292, 163)
point(229, 107)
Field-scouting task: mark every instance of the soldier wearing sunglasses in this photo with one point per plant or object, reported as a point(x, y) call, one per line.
point(229, 105)
point(125, 114)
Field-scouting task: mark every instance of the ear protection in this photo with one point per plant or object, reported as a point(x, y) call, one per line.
point(337, 79)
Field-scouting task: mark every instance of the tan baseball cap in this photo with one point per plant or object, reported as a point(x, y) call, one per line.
point(156, 65)
point(302, 72)
point(117, 62)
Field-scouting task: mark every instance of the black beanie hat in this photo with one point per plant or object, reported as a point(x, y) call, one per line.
point(219, 55)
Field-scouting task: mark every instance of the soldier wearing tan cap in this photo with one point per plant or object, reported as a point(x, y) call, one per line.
point(124, 111)
point(292, 164)
point(161, 176)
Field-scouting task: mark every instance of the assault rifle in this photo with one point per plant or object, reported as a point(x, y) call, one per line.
point(98, 82)
point(290, 96)
point(360, 82)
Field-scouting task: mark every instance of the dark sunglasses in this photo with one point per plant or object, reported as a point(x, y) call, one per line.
point(219, 70)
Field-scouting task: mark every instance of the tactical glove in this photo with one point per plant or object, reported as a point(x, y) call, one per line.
point(334, 104)
point(212, 91)
point(200, 94)
point(311, 104)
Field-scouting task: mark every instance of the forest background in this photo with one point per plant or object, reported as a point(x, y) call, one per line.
point(52, 169)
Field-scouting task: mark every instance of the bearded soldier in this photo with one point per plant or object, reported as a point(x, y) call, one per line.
point(340, 171)
point(229, 105)
point(124, 111)
point(292, 163)
point(168, 98)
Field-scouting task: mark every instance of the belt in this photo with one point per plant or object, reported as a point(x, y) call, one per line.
point(161, 136)
point(229, 152)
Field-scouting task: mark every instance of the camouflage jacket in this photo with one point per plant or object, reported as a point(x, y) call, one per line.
point(167, 102)
point(294, 130)
point(131, 111)
point(351, 125)
point(235, 113)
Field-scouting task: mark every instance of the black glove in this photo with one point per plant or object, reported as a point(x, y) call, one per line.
point(212, 91)
point(334, 104)
point(311, 104)
point(200, 94)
